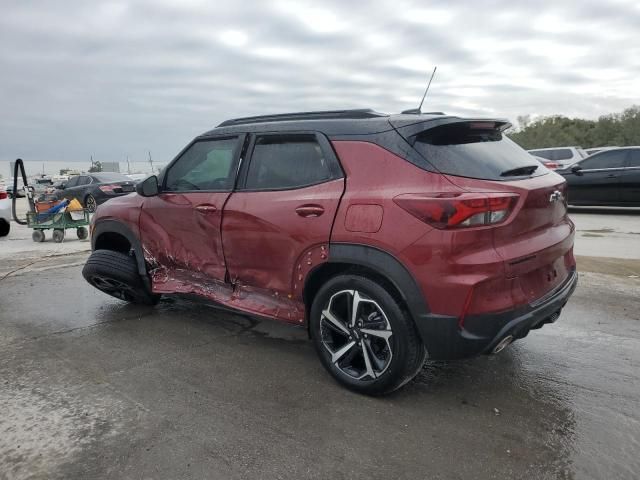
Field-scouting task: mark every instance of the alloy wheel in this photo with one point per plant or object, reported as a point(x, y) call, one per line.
point(356, 331)
point(113, 287)
point(90, 203)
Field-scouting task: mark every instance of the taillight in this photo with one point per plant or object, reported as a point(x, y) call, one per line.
point(551, 165)
point(3, 194)
point(458, 210)
point(108, 188)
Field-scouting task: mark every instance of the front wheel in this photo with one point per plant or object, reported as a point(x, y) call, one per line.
point(364, 337)
point(116, 274)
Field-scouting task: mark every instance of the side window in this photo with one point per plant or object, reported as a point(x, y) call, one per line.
point(84, 180)
point(73, 182)
point(206, 165)
point(562, 154)
point(634, 158)
point(285, 162)
point(609, 159)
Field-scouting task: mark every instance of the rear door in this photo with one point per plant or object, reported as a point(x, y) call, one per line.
point(598, 180)
point(75, 187)
point(180, 227)
point(630, 179)
point(284, 206)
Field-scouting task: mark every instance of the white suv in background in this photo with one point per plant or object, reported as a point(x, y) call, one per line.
point(560, 157)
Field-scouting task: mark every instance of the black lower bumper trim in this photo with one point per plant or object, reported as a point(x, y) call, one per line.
point(445, 340)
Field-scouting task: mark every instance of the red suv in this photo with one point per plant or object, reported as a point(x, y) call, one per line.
point(392, 238)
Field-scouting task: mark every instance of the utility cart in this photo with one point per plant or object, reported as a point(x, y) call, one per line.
point(58, 222)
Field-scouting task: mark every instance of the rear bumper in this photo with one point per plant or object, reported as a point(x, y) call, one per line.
point(446, 340)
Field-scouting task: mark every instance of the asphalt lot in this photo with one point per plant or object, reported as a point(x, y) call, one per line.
point(93, 388)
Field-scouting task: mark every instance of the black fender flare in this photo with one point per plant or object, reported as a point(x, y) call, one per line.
point(108, 226)
point(386, 265)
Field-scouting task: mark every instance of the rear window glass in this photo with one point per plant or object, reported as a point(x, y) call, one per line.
point(111, 177)
point(483, 153)
point(555, 154)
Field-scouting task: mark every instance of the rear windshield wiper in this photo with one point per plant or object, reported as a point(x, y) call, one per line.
point(515, 172)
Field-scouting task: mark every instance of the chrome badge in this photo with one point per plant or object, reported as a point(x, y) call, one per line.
point(556, 196)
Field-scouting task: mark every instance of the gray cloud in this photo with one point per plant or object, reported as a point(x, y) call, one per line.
point(123, 77)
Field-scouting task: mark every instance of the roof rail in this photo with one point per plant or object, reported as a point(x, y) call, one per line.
point(321, 115)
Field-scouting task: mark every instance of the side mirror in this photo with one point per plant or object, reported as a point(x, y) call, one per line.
point(62, 186)
point(577, 169)
point(148, 187)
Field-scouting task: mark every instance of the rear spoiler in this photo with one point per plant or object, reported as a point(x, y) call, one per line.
point(409, 126)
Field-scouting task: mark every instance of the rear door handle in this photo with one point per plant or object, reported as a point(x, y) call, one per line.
point(612, 175)
point(206, 208)
point(309, 210)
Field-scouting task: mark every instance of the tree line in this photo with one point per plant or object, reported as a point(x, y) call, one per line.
point(617, 129)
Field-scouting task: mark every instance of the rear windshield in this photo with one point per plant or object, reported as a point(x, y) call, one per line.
point(476, 151)
point(111, 177)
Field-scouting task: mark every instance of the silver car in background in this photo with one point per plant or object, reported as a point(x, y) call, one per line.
point(559, 157)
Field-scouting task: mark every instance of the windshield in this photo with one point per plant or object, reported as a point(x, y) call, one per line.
point(476, 150)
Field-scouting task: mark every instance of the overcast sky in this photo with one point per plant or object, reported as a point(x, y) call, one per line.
point(120, 78)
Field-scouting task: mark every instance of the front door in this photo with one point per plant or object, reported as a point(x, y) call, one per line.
point(180, 227)
point(281, 213)
point(597, 183)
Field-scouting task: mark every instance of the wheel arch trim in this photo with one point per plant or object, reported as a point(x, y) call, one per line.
point(114, 226)
point(386, 265)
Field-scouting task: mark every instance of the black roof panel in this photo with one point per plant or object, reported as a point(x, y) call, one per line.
point(331, 123)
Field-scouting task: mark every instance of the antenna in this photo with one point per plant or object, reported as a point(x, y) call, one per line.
point(418, 111)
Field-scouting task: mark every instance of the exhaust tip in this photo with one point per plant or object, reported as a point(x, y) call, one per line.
point(504, 343)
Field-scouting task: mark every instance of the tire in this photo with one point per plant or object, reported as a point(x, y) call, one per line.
point(90, 203)
point(82, 233)
point(58, 235)
point(394, 353)
point(5, 228)
point(116, 274)
point(38, 236)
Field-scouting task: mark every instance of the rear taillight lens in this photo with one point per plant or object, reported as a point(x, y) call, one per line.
point(109, 188)
point(458, 210)
point(3, 194)
point(551, 165)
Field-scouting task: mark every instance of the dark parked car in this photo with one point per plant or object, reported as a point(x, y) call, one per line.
point(607, 178)
point(389, 237)
point(92, 189)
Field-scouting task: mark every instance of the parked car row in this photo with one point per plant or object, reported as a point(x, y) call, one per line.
point(607, 178)
point(603, 176)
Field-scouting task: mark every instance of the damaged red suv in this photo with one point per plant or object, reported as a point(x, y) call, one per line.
point(392, 238)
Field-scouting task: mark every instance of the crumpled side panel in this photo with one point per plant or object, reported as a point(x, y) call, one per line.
point(241, 297)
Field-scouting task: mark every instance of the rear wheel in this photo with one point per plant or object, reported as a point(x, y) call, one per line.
point(363, 336)
point(116, 274)
point(90, 203)
point(5, 227)
point(82, 233)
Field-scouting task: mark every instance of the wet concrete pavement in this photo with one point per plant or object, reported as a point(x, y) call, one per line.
point(93, 388)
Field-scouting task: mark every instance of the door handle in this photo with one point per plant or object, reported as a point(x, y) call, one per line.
point(206, 208)
point(309, 210)
point(612, 175)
